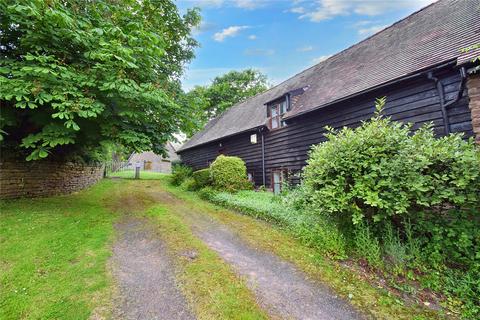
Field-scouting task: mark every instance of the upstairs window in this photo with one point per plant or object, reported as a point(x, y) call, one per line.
point(276, 111)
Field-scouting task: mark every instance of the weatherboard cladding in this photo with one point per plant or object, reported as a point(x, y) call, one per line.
point(429, 37)
point(415, 101)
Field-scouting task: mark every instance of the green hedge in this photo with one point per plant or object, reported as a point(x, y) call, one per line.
point(229, 174)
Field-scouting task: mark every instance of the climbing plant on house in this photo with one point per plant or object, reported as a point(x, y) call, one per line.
point(476, 57)
point(76, 75)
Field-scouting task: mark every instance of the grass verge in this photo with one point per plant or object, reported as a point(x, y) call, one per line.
point(144, 175)
point(53, 256)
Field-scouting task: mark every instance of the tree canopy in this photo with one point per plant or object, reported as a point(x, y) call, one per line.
point(77, 75)
point(224, 91)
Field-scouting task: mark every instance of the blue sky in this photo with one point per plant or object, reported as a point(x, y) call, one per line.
point(282, 37)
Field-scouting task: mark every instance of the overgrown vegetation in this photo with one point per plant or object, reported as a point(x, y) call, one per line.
point(476, 57)
point(180, 173)
point(405, 205)
point(78, 76)
point(411, 199)
point(202, 178)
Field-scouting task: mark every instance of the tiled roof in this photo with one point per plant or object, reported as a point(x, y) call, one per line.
point(428, 37)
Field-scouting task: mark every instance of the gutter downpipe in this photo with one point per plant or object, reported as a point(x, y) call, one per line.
point(441, 94)
point(263, 158)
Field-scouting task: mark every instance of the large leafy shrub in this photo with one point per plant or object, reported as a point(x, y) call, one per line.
point(202, 178)
point(381, 171)
point(403, 200)
point(229, 174)
point(180, 173)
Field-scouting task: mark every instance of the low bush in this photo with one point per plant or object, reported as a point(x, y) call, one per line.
point(180, 172)
point(202, 178)
point(188, 184)
point(207, 193)
point(229, 174)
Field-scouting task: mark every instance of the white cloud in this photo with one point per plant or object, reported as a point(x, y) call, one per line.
point(320, 59)
point(228, 32)
point(305, 49)
point(327, 9)
point(248, 4)
point(203, 27)
point(252, 37)
point(259, 52)
point(370, 30)
point(363, 23)
point(297, 10)
point(243, 4)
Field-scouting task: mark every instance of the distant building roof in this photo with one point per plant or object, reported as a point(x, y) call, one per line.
point(428, 37)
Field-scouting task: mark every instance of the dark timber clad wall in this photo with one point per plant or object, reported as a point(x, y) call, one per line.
point(414, 101)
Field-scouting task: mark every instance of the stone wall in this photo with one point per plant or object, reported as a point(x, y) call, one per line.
point(473, 86)
point(44, 178)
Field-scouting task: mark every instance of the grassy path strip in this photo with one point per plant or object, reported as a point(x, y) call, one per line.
point(208, 283)
point(53, 256)
point(378, 302)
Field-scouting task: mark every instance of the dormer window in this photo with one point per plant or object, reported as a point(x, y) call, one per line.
point(276, 111)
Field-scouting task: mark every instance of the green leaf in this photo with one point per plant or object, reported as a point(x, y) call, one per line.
point(42, 153)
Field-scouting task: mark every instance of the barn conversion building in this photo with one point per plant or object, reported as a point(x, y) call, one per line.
point(150, 161)
point(416, 63)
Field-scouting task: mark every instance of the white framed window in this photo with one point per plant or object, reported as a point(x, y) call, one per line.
point(276, 111)
point(253, 138)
